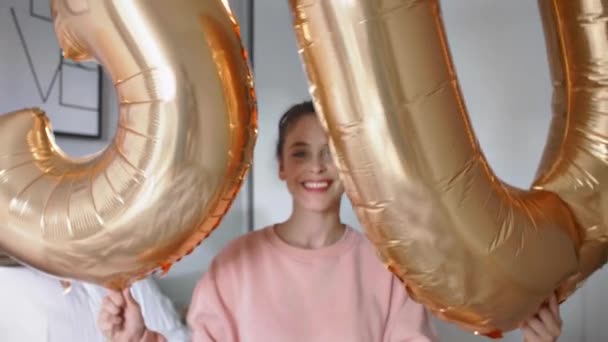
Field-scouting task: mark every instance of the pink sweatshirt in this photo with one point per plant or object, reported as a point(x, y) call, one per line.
point(260, 289)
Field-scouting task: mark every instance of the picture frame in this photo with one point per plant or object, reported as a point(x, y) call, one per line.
point(34, 73)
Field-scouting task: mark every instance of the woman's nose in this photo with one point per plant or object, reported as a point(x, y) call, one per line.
point(319, 165)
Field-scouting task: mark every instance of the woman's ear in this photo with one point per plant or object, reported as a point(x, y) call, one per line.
point(281, 170)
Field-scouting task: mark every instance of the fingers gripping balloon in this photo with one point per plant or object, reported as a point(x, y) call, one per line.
point(475, 250)
point(184, 142)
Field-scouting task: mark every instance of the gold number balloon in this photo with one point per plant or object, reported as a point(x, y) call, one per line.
point(186, 131)
point(475, 250)
point(575, 163)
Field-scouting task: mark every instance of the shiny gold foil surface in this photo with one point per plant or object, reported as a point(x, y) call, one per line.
point(184, 142)
point(478, 252)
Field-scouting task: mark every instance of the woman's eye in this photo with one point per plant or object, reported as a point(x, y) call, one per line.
point(299, 154)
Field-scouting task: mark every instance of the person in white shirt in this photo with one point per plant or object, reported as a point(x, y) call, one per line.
point(38, 308)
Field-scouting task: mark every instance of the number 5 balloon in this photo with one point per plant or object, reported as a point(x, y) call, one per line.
point(186, 131)
point(475, 250)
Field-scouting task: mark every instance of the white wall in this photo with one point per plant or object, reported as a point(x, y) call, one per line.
point(499, 52)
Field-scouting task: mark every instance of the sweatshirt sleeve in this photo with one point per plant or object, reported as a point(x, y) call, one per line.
point(408, 320)
point(210, 317)
point(158, 311)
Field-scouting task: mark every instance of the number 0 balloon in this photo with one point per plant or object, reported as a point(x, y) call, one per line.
point(475, 250)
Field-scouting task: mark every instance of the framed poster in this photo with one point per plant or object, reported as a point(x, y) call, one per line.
point(33, 72)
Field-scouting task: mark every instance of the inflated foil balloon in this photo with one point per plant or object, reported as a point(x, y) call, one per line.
point(478, 252)
point(184, 142)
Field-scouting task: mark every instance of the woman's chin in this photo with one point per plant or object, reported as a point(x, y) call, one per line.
point(320, 205)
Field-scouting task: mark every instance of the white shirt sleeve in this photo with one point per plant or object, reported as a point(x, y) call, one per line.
point(23, 317)
point(36, 308)
point(158, 311)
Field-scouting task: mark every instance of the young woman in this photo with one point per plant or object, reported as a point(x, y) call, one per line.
point(310, 278)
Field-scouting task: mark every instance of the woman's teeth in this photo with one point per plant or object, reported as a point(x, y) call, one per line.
point(316, 185)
